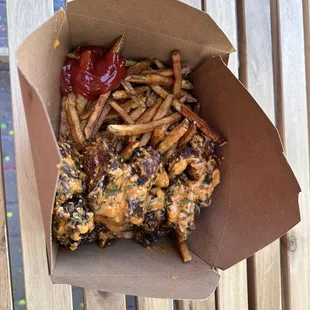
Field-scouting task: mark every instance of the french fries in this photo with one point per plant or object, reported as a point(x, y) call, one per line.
point(81, 104)
point(186, 84)
point(130, 63)
point(177, 72)
point(173, 137)
point(188, 113)
point(88, 111)
point(118, 45)
point(128, 150)
point(151, 99)
point(159, 134)
point(123, 94)
point(74, 122)
point(188, 136)
point(96, 114)
point(183, 248)
point(133, 94)
point(137, 129)
point(188, 96)
point(123, 114)
point(139, 67)
point(135, 114)
point(149, 114)
point(145, 139)
point(159, 64)
point(150, 78)
point(201, 124)
point(163, 72)
point(101, 119)
point(169, 153)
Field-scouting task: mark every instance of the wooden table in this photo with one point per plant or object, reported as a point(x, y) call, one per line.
point(270, 37)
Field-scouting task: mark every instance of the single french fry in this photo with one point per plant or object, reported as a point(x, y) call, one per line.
point(149, 114)
point(173, 137)
point(201, 124)
point(177, 72)
point(145, 139)
point(139, 67)
point(118, 45)
point(163, 72)
point(164, 107)
point(189, 97)
point(126, 153)
point(159, 91)
point(188, 136)
point(74, 122)
point(135, 114)
point(123, 114)
point(84, 124)
point(169, 153)
point(105, 111)
point(127, 106)
point(150, 78)
point(159, 64)
point(151, 99)
point(183, 99)
point(159, 135)
point(186, 84)
point(133, 94)
point(193, 117)
point(88, 111)
point(186, 71)
point(137, 129)
point(64, 127)
point(96, 114)
point(183, 248)
point(197, 108)
point(123, 94)
point(81, 104)
point(130, 63)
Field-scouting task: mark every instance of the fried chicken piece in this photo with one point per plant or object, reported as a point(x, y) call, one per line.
point(98, 157)
point(152, 228)
point(72, 222)
point(72, 179)
point(195, 173)
point(120, 196)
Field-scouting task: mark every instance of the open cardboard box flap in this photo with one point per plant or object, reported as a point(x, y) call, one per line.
point(257, 200)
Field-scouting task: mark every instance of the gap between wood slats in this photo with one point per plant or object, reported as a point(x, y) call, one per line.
point(6, 300)
point(256, 72)
point(292, 117)
point(40, 292)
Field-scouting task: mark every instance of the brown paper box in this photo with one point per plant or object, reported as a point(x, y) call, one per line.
point(257, 200)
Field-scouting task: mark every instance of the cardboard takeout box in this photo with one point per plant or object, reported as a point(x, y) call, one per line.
point(257, 200)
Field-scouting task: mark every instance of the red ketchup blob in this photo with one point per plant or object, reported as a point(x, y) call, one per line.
point(92, 71)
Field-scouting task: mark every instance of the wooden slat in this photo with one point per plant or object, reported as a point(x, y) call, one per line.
point(224, 13)
point(264, 267)
point(97, 300)
point(40, 292)
point(153, 304)
point(294, 129)
point(6, 301)
point(208, 304)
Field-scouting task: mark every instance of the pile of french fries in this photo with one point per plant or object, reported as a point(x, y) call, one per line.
point(152, 106)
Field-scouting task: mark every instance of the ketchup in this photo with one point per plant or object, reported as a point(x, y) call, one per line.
point(92, 71)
